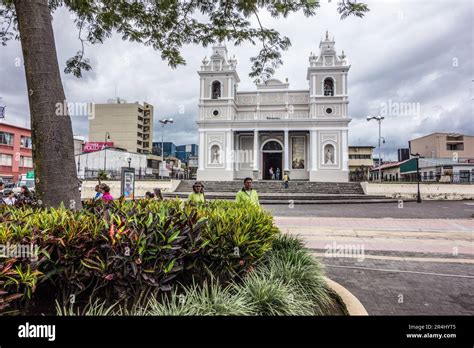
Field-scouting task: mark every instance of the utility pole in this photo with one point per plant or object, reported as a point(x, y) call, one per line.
point(379, 120)
point(163, 124)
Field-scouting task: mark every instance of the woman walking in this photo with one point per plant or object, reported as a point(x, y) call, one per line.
point(197, 196)
point(106, 196)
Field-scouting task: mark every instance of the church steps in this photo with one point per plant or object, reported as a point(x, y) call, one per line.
point(277, 187)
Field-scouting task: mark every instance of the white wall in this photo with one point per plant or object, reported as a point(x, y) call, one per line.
point(141, 187)
point(429, 191)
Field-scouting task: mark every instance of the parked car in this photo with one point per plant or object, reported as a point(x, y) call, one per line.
point(23, 180)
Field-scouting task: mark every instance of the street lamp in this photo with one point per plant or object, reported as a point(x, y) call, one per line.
point(129, 160)
point(163, 122)
point(418, 196)
point(379, 120)
point(107, 137)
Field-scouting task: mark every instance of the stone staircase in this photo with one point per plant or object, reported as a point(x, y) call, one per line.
point(273, 192)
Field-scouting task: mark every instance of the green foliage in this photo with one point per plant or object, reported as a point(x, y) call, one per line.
point(118, 250)
point(169, 25)
point(291, 264)
point(74, 66)
point(287, 281)
point(236, 236)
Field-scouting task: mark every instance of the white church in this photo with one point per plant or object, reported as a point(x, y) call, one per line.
point(274, 129)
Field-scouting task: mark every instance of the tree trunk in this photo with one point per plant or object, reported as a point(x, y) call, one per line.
point(52, 137)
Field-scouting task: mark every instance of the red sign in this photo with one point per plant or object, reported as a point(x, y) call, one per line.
point(96, 146)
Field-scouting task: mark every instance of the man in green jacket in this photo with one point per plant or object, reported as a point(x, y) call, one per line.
point(247, 194)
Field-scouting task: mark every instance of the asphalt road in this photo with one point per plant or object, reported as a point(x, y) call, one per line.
point(389, 287)
point(408, 210)
point(395, 266)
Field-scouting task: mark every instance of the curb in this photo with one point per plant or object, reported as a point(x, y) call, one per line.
point(353, 305)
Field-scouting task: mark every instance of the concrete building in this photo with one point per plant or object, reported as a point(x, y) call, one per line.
point(302, 132)
point(444, 145)
point(360, 162)
point(89, 164)
point(130, 125)
point(79, 142)
point(183, 152)
point(390, 172)
point(16, 156)
point(403, 154)
point(169, 149)
point(439, 170)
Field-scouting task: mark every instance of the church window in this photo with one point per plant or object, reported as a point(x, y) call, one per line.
point(216, 90)
point(329, 87)
point(272, 146)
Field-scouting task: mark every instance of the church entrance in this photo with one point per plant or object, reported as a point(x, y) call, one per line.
point(274, 161)
point(272, 157)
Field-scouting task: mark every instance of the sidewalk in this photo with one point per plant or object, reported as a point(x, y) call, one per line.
point(408, 266)
point(449, 237)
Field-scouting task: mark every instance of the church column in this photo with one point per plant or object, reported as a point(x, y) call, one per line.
point(202, 88)
point(313, 151)
point(202, 147)
point(287, 152)
point(228, 150)
point(345, 151)
point(255, 151)
point(236, 151)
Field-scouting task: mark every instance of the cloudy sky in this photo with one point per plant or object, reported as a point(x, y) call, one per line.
point(412, 55)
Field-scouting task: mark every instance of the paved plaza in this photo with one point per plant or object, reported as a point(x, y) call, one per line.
point(396, 265)
point(406, 210)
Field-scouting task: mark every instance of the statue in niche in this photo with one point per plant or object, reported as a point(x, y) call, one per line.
point(215, 155)
point(329, 155)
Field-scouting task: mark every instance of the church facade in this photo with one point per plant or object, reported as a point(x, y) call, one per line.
point(274, 130)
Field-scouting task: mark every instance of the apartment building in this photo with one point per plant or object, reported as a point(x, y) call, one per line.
point(128, 125)
point(360, 162)
point(16, 156)
point(443, 145)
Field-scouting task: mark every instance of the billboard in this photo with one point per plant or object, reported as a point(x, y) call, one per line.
point(128, 183)
point(96, 146)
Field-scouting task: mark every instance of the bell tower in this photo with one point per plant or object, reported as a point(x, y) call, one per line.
point(217, 104)
point(219, 79)
point(327, 76)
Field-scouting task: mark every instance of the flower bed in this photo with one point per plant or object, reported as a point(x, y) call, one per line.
point(150, 257)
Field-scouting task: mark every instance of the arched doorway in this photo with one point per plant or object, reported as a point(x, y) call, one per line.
point(272, 155)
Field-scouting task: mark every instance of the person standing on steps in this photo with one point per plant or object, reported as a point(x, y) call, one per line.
point(247, 194)
point(286, 178)
point(197, 196)
point(270, 171)
point(278, 174)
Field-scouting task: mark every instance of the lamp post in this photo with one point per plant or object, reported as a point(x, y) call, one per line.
point(418, 196)
point(107, 137)
point(379, 120)
point(163, 122)
point(129, 160)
